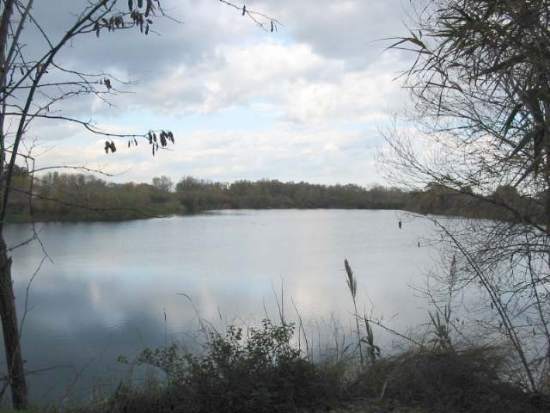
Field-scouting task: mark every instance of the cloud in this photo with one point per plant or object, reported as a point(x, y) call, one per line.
point(325, 155)
point(235, 75)
point(302, 103)
point(350, 30)
point(201, 25)
point(289, 80)
point(201, 55)
point(360, 96)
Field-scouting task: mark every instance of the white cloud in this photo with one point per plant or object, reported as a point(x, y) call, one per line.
point(237, 74)
point(355, 96)
point(320, 84)
point(290, 80)
point(325, 155)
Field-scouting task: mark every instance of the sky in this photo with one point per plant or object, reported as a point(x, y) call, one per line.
point(305, 103)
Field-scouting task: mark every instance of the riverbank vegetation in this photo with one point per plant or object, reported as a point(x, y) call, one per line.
point(235, 377)
point(84, 197)
point(264, 372)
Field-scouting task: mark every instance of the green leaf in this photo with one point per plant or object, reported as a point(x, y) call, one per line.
point(417, 41)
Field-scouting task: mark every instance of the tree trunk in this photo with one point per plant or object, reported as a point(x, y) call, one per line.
point(12, 344)
point(547, 189)
point(8, 313)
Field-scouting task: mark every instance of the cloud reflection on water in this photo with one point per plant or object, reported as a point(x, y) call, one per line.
point(109, 285)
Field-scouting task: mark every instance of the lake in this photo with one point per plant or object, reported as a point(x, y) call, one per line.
point(113, 289)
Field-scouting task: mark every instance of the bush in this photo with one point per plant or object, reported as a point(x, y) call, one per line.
point(447, 381)
point(261, 372)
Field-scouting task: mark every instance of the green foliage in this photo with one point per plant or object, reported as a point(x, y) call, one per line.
point(264, 373)
point(72, 197)
point(79, 197)
point(171, 360)
point(259, 372)
point(504, 204)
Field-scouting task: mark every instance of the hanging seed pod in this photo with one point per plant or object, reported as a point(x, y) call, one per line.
point(150, 137)
point(135, 142)
point(110, 146)
point(96, 28)
point(244, 10)
point(130, 5)
point(146, 30)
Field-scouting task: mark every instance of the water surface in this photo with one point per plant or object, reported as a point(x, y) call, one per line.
point(114, 288)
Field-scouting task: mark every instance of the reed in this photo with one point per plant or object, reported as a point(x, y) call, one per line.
point(352, 286)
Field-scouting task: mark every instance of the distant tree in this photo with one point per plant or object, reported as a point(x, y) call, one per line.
point(190, 184)
point(163, 183)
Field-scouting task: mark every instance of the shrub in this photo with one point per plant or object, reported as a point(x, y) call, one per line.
point(260, 372)
point(447, 381)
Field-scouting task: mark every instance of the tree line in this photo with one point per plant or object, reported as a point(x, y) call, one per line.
point(84, 197)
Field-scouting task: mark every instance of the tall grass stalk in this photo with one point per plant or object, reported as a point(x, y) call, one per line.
point(352, 286)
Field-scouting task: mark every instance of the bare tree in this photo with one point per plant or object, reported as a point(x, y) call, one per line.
point(481, 89)
point(32, 83)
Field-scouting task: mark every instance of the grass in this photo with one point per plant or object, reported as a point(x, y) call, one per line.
point(270, 375)
point(262, 371)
